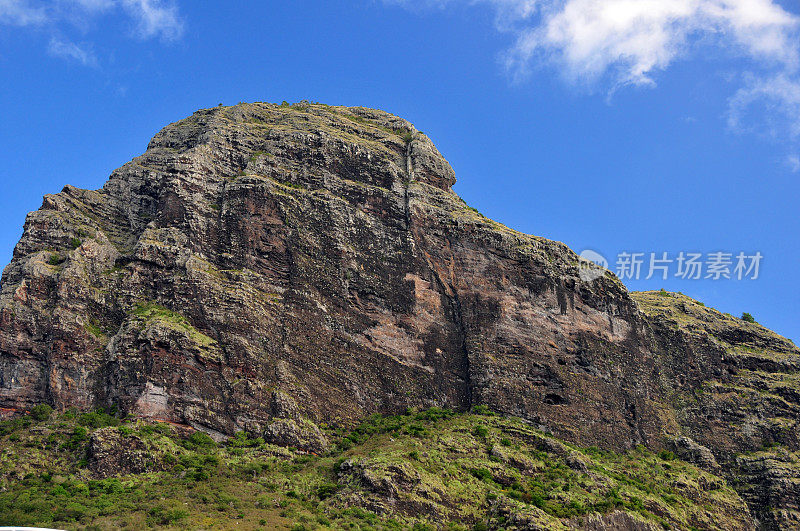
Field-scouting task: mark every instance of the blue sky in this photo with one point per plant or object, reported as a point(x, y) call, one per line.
point(612, 125)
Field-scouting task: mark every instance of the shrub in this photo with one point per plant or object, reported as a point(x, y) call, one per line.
point(480, 409)
point(71, 512)
point(537, 499)
point(337, 466)
point(78, 436)
point(112, 486)
point(434, 414)
point(242, 440)
point(199, 439)
point(415, 430)
point(162, 428)
point(41, 412)
point(480, 431)
point(161, 516)
point(666, 455)
point(10, 426)
point(98, 419)
point(748, 318)
point(55, 259)
point(635, 503)
point(670, 498)
point(481, 473)
point(200, 474)
point(74, 243)
point(326, 490)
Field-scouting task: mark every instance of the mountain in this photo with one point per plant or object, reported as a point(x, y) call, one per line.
point(289, 270)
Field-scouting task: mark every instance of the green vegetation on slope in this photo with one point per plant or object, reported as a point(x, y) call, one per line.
point(693, 316)
point(151, 311)
point(420, 470)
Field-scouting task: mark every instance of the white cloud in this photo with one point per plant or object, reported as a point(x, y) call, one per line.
point(154, 18)
point(793, 163)
point(148, 18)
point(608, 44)
point(21, 13)
point(629, 41)
point(633, 39)
point(70, 50)
point(93, 5)
point(770, 106)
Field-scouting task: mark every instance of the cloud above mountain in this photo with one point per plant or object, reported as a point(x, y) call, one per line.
point(147, 19)
point(609, 44)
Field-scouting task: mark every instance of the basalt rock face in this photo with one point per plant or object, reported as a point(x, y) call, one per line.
point(292, 265)
point(263, 262)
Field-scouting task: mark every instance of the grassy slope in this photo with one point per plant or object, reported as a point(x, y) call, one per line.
point(432, 468)
point(693, 317)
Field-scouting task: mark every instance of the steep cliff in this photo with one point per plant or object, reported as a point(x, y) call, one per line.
point(270, 268)
point(739, 396)
point(263, 261)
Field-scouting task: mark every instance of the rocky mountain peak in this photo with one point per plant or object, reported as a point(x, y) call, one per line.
point(275, 268)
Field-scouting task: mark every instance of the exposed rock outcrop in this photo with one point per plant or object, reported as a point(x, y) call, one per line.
point(112, 453)
point(310, 261)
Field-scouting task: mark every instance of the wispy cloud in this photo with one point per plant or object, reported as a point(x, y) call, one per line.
point(69, 50)
point(793, 163)
point(149, 19)
point(609, 44)
point(21, 13)
point(774, 100)
point(154, 18)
